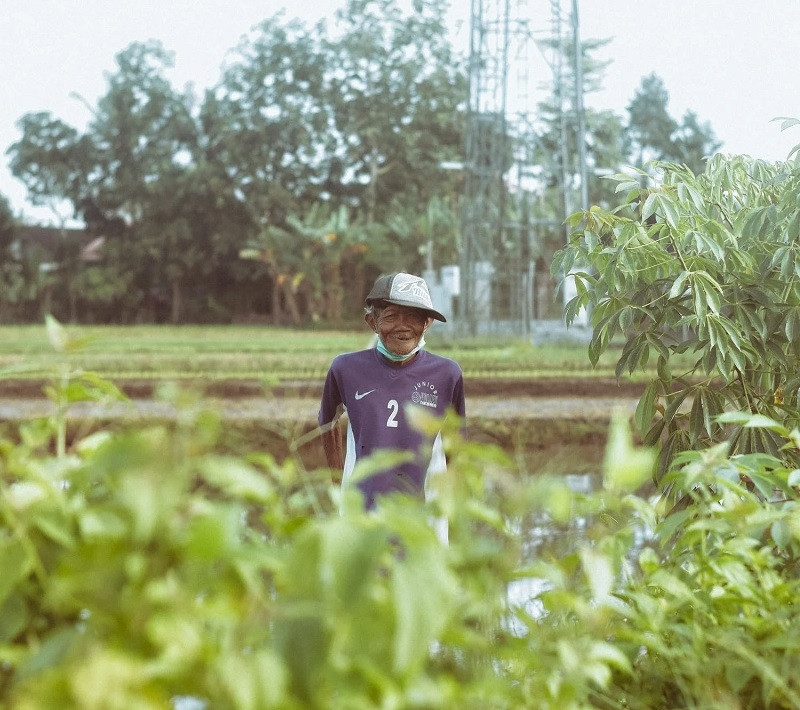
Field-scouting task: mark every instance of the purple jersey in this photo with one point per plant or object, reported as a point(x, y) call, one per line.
point(375, 394)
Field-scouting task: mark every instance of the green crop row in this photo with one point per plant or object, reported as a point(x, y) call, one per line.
point(272, 354)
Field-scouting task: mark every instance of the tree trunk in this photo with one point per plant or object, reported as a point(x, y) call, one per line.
point(359, 284)
point(276, 312)
point(291, 301)
point(177, 301)
point(372, 188)
point(47, 300)
point(333, 291)
point(73, 303)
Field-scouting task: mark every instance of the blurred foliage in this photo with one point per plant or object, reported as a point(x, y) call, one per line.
point(142, 569)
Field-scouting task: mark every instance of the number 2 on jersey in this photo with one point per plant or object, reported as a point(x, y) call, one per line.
point(393, 407)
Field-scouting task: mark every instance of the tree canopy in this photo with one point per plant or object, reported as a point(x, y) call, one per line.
point(339, 128)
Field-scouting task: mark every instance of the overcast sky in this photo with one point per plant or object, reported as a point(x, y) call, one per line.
point(733, 62)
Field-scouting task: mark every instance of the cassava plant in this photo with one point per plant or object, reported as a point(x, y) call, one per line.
point(706, 267)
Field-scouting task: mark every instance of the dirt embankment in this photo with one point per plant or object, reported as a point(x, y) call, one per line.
point(555, 424)
point(502, 388)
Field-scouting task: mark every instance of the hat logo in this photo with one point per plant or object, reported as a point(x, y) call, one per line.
point(415, 288)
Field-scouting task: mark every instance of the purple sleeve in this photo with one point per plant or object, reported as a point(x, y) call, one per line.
point(459, 404)
point(331, 399)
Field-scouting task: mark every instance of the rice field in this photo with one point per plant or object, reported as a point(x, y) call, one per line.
point(258, 352)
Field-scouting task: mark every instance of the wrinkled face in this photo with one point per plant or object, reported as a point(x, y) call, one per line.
point(399, 327)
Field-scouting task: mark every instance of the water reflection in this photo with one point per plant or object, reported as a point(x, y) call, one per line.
point(542, 535)
point(544, 538)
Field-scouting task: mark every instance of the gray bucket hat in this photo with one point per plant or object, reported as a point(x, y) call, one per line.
point(403, 290)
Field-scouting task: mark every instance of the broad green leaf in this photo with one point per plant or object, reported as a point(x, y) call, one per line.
point(50, 651)
point(424, 593)
point(254, 679)
point(730, 330)
point(762, 422)
point(558, 502)
point(781, 533)
point(15, 565)
point(14, 617)
point(679, 285)
point(764, 484)
point(673, 401)
point(610, 654)
point(599, 574)
point(712, 297)
point(697, 199)
point(672, 524)
point(650, 205)
point(696, 418)
point(625, 467)
point(646, 408)
point(671, 213)
point(672, 585)
point(700, 305)
point(663, 368)
point(648, 560)
point(98, 524)
point(787, 122)
point(653, 435)
point(238, 479)
point(627, 185)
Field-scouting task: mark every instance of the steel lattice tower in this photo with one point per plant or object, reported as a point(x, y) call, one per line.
point(497, 124)
point(498, 233)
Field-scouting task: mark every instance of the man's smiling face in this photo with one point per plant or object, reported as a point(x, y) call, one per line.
point(399, 327)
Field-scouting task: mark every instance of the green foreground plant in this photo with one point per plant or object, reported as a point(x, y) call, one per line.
point(706, 267)
point(140, 568)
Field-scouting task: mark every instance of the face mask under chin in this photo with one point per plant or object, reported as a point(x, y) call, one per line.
point(398, 358)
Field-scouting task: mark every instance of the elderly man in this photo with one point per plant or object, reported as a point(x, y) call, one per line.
point(374, 386)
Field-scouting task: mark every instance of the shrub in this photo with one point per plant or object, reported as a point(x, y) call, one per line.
point(142, 569)
point(701, 266)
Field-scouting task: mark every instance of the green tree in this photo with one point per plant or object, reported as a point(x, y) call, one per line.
point(266, 126)
point(333, 241)
point(299, 121)
point(398, 94)
point(54, 162)
point(650, 127)
point(267, 121)
point(312, 128)
point(693, 142)
point(7, 227)
point(149, 142)
point(429, 235)
point(654, 135)
point(703, 277)
point(11, 276)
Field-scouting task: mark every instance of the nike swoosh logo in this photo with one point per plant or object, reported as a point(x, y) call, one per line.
point(361, 396)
